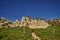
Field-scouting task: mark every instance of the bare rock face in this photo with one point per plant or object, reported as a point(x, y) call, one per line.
point(29, 22)
point(17, 22)
point(26, 22)
point(54, 21)
point(35, 36)
point(39, 24)
point(23, 21)
point(33, 23)
point(4, 22)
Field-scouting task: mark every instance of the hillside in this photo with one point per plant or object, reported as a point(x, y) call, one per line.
point(30, 29)
point(17, 33)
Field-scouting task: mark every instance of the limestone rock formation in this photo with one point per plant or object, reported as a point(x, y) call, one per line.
point(26, 22)
point(33, 23)
point(16, 23)
point(4, 22)
point(54, 21)
point(35, 36)
point(23, 21)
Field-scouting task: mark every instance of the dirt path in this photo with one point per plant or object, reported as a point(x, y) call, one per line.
point(35, 36)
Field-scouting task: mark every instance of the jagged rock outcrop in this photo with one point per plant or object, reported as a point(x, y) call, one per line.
point(26, 22)
point(23, 21)
point(4, 22)
point(16, 23)
point(54, 21)
point(35, 36)
point(34, 23)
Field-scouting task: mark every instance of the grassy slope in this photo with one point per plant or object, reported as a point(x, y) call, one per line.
point(50, 33)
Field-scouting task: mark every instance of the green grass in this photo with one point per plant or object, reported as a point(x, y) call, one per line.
point(24, 33)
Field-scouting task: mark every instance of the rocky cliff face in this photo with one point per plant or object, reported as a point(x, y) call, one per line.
point(4, 22)
point(31, 23)
point(54, 21)
point(27, 22)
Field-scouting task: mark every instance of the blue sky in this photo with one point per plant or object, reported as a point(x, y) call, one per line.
point(15, 9)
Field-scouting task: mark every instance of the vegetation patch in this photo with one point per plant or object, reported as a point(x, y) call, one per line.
point(24, 33)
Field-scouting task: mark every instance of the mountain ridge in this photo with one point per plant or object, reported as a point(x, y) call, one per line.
point(29, 22)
